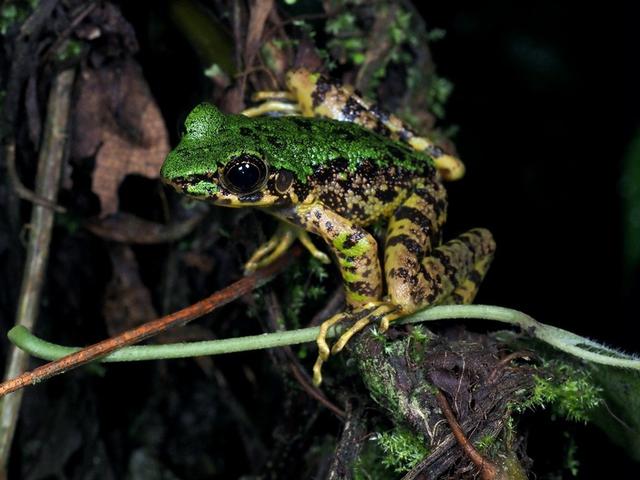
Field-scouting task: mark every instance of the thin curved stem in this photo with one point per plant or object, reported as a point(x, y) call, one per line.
point(561, 339)
point(51, 351)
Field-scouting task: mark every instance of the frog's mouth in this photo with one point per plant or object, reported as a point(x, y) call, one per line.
point(206, 186)
point(196, 185)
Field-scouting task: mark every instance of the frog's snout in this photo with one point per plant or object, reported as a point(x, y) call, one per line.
point(178, 174)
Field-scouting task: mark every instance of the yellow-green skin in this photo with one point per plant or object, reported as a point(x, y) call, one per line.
point(333, 178)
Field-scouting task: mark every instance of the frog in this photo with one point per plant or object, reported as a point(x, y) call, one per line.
point(333, 178)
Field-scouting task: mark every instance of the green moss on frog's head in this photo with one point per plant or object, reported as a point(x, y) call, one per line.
point(272, 151)
point(219, 159)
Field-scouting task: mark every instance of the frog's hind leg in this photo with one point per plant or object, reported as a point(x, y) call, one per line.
point(283, 103)
point(466, 291)
point(418, 273)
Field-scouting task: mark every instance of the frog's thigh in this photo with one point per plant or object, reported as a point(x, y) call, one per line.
point(354, 248)
point(450, 274)
point(413, 231)
point(482, 241)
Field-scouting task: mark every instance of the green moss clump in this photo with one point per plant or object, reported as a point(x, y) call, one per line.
point(402, 449)
point(569, 391)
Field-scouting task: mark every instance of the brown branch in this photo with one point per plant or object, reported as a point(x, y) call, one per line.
point(488, 470)
point(47, 179)
point(154, 327)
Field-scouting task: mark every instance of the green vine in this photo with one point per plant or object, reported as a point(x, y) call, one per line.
point(563, 340)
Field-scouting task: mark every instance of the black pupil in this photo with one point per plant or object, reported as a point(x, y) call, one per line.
point(244, 174)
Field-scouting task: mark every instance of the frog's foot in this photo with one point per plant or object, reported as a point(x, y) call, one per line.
point(283, 103)
point(262, 95)
point(278, 244)
point(450, 167)
point(371, 312)
point(274, 247)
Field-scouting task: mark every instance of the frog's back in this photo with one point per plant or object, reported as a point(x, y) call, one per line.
point(303, 145)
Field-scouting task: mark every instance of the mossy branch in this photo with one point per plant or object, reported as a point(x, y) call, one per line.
point(563, 340)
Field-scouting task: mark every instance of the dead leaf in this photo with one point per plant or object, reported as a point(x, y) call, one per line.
point(118, 122)
point(127, 300)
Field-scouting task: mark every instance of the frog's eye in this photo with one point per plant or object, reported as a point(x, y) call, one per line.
point(244, 174)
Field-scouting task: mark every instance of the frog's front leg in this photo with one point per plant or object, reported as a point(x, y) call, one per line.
point(356, 252)
point(278, 244)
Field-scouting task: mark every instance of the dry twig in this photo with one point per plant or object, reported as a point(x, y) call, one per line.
point(138, 334)
point(47, 180)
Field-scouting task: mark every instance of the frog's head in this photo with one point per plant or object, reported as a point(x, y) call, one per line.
point(221, 158)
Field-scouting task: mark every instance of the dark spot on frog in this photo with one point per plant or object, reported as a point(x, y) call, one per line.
point(399, 272)
point(352, 239)
point(356, 211)
point(275, 141)
point(415, 216)
point(405, 135)
point(387, 195)
point(396, 152)
point(426, 194)
point(382, 129)
point(328, 226)
point(409, 243)
point(320, 92)
point(301, 190)
point(456, 298)
point(435, 151)
point(352, 109)
point(363, 288)
point(445, 260)
point(251, 198)
point(379, 112)
point(474, 277)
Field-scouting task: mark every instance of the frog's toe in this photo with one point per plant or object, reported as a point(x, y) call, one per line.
point(321, 339)
point(346, 336)
point(304, 238)
point(383, 312)
point(317, 371)
point(269, 251)
point(387, 318)
point(273, 103)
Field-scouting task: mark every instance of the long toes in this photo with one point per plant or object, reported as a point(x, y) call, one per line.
point(323, 348)
point(388, 314)
point(346, 336)
point(317, 372)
